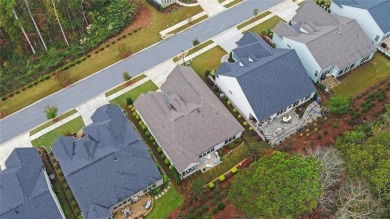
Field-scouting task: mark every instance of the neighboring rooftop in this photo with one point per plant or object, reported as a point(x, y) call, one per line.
point(271, 79)
point(186, 117)
point(24, 192)
point(379, 10)
point(109, 164)
point(331, 39)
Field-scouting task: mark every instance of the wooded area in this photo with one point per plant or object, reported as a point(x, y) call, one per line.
point(36, 37)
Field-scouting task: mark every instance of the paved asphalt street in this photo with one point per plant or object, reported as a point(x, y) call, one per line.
point(72, 96)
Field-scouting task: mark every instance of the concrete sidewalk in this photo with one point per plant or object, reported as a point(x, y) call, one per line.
point(286, 9)
point(227, 40)
point(87, 108)
point(211, 7)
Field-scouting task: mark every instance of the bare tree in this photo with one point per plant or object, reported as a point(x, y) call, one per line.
point(24, 32)
point(332, 170)
point(35, 24)
point(59, 22)
point(356, 201)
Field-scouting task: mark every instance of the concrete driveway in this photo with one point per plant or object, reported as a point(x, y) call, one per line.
point(211, 7)
point(227, 40)
point(68, 98)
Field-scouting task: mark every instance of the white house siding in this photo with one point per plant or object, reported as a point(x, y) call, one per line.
point(290, 107)
point(363, 17)
point(356, 64)
point(304, 55)
point(53, 194)
point(233, 91)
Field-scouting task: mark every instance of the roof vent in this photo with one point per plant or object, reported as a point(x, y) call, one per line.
point(251, 60)
point(198, 110)
point(242, 65)
point(115, 159)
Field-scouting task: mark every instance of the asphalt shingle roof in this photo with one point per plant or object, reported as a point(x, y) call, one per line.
point(186, 117)
point(109, 164)
point(331, 39)
point(272, 82)
point(24, 192)
point(379, 10)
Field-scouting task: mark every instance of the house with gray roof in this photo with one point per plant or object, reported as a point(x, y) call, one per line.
point(188, 121)
point(264, 82)
point(109, 166)
point(25, 189)
point(327, 44)
point(373, 16)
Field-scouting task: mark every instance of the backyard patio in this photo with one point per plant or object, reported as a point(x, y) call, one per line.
point(387, 49)
point(138, 209)
point(209, 161)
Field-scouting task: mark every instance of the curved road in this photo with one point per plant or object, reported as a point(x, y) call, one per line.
point(105, 79)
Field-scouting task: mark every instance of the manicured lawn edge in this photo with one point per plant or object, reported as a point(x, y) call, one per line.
point(125, 84)
point(258, 17)
point(204, 17)
point(166, 204)
point(232, 3)
point(199, 47)
point(51, 122)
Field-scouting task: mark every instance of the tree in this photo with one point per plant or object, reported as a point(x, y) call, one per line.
point(126, 76)
point(129, 101)
point(256, 12)
point(51, 112)
point(196, 190)
point(339, 104)
point(356, 201)
point(253, 150)
point(59, 22)
point(332, 168)
point(277, 186)
point(35, 24)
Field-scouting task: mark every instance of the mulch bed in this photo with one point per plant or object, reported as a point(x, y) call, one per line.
point(325, 130)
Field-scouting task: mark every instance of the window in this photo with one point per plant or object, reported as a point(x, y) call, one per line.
point(340, 72)
point(230, 92)
point(376, 38)
point(295, 104)
point(288, 46)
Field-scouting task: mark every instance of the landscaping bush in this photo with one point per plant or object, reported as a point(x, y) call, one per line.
point(159, 149)
point(239, 139)
point(234, 110)
point(129, 101)
point(245, 123)
point(231, 145)
point(166, 161)
point(326, 132)
point(214, 211)
point(229, 102)
point(147, 133)
point(213, 202)
point(171, 167)
point(11, 95)
point(221, 178)
point(239, 116)
point(339, 104)
point(234, 170)
point(319, 137)
point(221, 206)
point(182, 207)
point(134, 113)
point(29, 85)
point(211, 185)
point(163, 156)
point(151, 138)
point(191, 209)
point(205, 209)
point(137, 117)
point(144, 128)
point(3, 98)
point(218, 197)
point(207, 73)
point(154, 143)
point(195, 42)
point(126, 76)
point(335, 125)
point(191, 216)
point(198, 204)
point(165, 178)
point(141, 123)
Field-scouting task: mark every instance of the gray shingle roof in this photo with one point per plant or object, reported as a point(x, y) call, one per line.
point(24, 192)
point(331, 39)
point(109, 164)
point(271, 83)
point(379, 10)
point(186, 117)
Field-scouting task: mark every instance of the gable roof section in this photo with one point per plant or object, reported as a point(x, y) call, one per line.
point(271, 83)
point(331, 39)
point(109, 164)
point(24, 192)
point(186, 117)
point(379, 10)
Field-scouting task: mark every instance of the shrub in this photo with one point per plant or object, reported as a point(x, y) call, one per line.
point(47, 77)
point(144, 128)
point(221, 178)
point(231, 145)
point(218, 197)
point(3, 98)
point(221, 206)
point(335, 125)
point(215, 210)
point(141, 123)
point(251, 128)
point(113, 42)
point(207, 73)
point(11, 95)
point(129, 101)
point(191, 216)
point(326, 132)
point(339, 104)
point(151, 138)
point(182, 207)
point(205, 209)
point(133, 110)
point(234, 170)
point(134, 113)
point(126, 76)
point(198, 204)
point(245, 123)
point(239, 116)
point(154, 143)
point(147, 133)
point(211, 185)
point(159, 149)
point(239, 139)
point(171, 167)
point(234, 110)
point(137, 117)
point(29, 85)
point(195, 42)
point(213, 202)
point(163, 156)
point(191, 209)
point(319, 137)
point(101, 49)
point(166, 161)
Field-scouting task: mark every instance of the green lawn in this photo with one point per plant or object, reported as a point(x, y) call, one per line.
point(204, 17)
point(124, 85)
point(51, 122)
point(258, 17)
point(270, 23)
point(209, 60)
point(365, 76)
point(134, 93)
point(232, 3)
point(131, 44)
point(48, 139)
point(166, 204)
point(199, 47)
point(66, 207)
